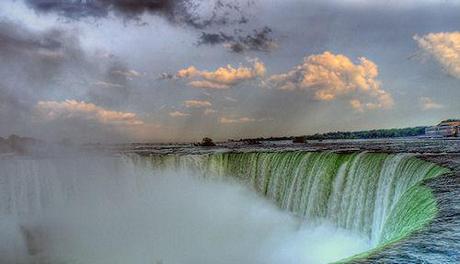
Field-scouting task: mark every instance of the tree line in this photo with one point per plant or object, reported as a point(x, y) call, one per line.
point(364, 134)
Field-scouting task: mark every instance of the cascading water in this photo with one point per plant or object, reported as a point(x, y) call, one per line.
point(106, 210)
point(134, 209)
point(378, 195)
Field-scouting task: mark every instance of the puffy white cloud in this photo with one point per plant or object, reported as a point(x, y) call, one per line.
point(70, 109)
point(223, 77)
point(429, 104)
point(445, 48)
point(197, 103)
point(178, 114)
point(329, 76)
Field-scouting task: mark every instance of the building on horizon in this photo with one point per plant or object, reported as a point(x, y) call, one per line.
point(447, 128)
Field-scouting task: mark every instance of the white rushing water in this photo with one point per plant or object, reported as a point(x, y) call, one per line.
point(96, 210)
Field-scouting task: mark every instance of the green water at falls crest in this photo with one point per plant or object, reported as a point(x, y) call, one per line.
point(374, 194)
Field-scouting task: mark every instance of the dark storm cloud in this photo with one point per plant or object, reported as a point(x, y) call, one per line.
point(195, 14)
point(12, 38)
point(166, 76)
point(101, 8)
point(214, 38)
point(259, 40)
point(222, 12)
point(53, 45)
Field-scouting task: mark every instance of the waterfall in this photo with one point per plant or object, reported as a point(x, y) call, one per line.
point(375, 194)
point(378, 197)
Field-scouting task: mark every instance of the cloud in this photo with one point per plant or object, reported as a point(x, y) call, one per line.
point(101, 8)
point(114, 85)
point(227, 120)
point(208, 85)
point(223, 77)
point(209, 111)
point(197, 103)
point(200, 15)
point(129, 74)
point(108, 84)
point(32, 62)
point(41, 54)
point(357, 105)
point(258, 40)
point(178, 114)
point(230, 99)
point(328, 76)
point(428, 103)
point(52, 58)
point(187, 12)
point(73, 109)
point(165, 76)
point(445, 48)
point(214, 38)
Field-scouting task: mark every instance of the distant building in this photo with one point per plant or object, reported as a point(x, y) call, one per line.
point(447, 128)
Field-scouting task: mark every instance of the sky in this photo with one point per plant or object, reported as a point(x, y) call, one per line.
point(174, 71)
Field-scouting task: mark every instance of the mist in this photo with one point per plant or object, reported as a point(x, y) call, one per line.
point(108, 210)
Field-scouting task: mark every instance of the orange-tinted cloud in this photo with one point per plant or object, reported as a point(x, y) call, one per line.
point(227, 120)
point(445, 48)
point(223, 77)
point(68, 109)
point(197, 103)
point(428, 103)
point(329, 76)
point(178, 114)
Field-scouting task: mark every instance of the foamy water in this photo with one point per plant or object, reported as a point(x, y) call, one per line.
point(105, 210)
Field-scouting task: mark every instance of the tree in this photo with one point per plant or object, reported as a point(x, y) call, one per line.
point(300, 139)
point(207, 142)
